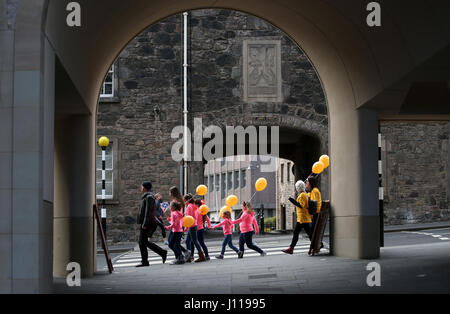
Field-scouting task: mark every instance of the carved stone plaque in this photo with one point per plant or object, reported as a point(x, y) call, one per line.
point(262, 70)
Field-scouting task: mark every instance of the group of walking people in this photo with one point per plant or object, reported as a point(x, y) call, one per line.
point(307, 190)
point(150, 217)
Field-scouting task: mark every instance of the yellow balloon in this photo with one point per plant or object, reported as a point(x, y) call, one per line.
point(318, 167)
point(260, 184)
point(188, 221)
point(201, 190)
point(231, 200)
point(203, 209)
point(103, 141)
point(225, 208)
point(325, 160)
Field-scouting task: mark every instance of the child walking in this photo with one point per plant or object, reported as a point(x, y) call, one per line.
point(246, 223)
point(191, 239)
point(176, 228)
point(227, 227)
point(201, 219)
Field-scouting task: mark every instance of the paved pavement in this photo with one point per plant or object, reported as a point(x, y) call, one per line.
point(411, 262)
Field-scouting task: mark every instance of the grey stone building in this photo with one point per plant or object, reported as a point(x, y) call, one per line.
point(416, 171)
point(143, 101)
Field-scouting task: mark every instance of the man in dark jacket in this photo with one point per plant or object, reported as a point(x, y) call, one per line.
point(147, 221)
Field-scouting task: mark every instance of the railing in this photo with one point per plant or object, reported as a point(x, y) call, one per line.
point(269, 226)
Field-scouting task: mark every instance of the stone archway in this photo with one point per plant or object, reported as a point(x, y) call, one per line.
point(353, 63)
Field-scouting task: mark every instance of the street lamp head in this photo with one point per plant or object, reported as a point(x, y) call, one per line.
point(103, 141)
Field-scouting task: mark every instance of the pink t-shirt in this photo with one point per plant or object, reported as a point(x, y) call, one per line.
point(199, 220)
point(191, 209)
point(246, 221)
point(227, 226)
point(176, 217)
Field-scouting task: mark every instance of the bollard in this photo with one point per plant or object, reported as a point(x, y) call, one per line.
point(103, 142)
point(262, 219)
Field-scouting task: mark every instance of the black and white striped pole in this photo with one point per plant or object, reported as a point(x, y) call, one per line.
point(380, 189)
point(103, 142)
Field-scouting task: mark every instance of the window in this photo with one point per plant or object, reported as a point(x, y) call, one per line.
point(282, 173)
point(109, 173)
point(236, 179)
point(288, 175)
point(223, 185)
point(230, 180)
point(108, 84)
point(243, 178)
point(217, 182)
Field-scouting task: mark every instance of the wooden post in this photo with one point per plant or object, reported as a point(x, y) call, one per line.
point(319, 228)
point(102, 235)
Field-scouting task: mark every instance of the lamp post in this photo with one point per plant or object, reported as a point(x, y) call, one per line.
point(103, 142)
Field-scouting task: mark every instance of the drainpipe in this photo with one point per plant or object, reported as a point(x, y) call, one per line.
point(185, 101)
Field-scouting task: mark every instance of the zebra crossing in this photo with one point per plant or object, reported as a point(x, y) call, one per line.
point(133, 258)
point(437, 236)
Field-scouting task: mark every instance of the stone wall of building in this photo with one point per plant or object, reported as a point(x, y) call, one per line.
point(149, 103)
point(416, 171)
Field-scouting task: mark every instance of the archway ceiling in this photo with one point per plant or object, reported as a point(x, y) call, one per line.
point(379, 64)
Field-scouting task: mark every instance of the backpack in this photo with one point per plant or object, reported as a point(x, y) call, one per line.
point(312, 206)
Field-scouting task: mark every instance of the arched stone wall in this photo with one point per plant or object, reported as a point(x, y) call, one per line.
point(354, 63)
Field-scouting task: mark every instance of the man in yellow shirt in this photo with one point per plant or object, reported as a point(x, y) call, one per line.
point(303, 216)
point(314, 194)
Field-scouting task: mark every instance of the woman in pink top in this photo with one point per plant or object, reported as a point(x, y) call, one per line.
point(201, 219)
point(191, 239)
point(176, 218)
point(246, 223)
point(227, 225)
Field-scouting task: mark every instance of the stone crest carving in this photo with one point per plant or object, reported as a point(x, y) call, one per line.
point(262, 70)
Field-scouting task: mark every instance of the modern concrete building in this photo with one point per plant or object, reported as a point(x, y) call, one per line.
point(51, 74)
point(237, 175)
point(286, 214)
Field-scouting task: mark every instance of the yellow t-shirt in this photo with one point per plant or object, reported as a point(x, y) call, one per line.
point(315, 196)
point(302, 212)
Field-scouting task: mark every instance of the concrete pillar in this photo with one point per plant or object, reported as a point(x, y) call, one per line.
point(26, 67)
point(74, 194)
point(6, 154)
point(354, 184)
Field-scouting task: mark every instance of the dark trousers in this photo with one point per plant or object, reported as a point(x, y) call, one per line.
point(144, 243)
point(247, 238)
point(153, 228)
point(201, 240)
point(175, 243)
point(192, 241)
point(228, 241)
point(183, 249)
point(298, 228)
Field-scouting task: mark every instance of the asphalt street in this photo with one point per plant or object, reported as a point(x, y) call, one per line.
point(275, 243)
point(416, 237)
